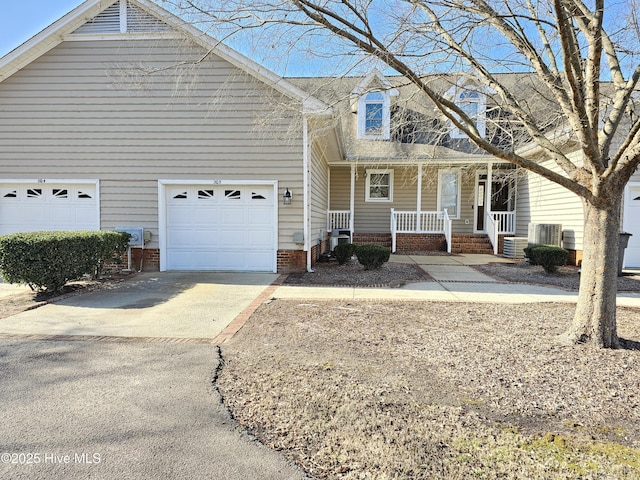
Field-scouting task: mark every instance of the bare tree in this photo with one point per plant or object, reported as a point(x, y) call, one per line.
point(581, 54)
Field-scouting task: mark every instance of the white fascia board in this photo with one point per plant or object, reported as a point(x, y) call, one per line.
point(50, 37)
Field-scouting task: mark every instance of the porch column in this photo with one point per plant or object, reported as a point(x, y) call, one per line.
point(352, 196)
point(419, 198)
point(489, 193)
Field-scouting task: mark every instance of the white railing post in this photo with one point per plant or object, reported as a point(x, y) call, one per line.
point(447, 229)
point(393, 231)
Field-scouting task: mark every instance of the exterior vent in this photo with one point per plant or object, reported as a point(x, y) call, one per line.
point(139, 21)
point(107, 22)
point(514, 247)
point(123, 18)
point(545, 234)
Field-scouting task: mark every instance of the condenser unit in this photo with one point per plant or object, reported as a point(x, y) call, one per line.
point(338, 237)
point(514, 247)
point(545, 234)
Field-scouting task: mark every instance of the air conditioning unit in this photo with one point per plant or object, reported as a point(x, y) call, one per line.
point(514, 247)
point(339, 236)
point(545, 234)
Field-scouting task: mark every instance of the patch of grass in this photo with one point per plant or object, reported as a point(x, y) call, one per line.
point(428, 390)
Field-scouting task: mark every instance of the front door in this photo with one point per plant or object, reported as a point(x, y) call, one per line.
point(498, 200)
point(480, 203)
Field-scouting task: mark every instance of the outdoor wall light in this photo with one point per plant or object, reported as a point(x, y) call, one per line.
point(286, 197)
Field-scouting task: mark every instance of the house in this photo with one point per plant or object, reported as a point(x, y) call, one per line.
point(121, 115)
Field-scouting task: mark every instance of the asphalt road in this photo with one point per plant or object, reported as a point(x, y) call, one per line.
point(121, 410)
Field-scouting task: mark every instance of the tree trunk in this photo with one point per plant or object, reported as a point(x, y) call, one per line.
point(595, 318)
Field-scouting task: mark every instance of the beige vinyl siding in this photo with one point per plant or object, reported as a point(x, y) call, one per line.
point(542, 201)
point(319, 184)
point(130, 112)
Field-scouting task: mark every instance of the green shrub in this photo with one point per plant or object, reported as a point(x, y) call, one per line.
point(48, 260)
point(372, 256)
point(549, 256)
point(343, 252)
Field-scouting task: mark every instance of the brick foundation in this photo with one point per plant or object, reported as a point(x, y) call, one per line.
point(151, 261)
point(292, 261)
point(382, 239)
point(416, 242)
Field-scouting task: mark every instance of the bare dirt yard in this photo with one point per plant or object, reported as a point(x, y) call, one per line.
point(432, 390)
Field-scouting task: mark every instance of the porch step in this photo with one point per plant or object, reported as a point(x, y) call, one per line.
point(471, 243)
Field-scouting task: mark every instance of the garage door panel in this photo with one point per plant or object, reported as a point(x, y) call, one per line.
point(48, 206)
point(233, 238)
point(205, 238)
point(632, 226)
point(259, 239)
point(233, 260)
point(260, 216)
point(225, 227)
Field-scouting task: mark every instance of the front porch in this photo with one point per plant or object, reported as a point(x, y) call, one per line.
point(428, 230)
point(457, 208)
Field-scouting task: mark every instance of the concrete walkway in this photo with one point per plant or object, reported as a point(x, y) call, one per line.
point(455, 280)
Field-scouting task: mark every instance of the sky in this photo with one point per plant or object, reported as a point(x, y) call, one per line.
point(22, 19)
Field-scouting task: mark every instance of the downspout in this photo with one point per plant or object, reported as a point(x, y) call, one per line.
point(419, 198)
point(306, 191)
point(352, 201)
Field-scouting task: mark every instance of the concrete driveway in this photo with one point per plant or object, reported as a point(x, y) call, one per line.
point(165, 304)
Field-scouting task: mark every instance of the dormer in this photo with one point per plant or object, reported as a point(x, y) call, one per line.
point(472, 100)
point(371, 101)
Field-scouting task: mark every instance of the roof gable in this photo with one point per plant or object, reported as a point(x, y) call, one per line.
point(110, 18)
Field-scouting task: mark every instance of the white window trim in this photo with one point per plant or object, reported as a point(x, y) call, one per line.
point(481, 119)
point(367, 189)
point(386, 116)
point(439, 207)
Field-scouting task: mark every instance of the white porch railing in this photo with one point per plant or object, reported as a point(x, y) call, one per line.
point(338, 220)
point(499, 223)
point(506, 222)
point(420, 222)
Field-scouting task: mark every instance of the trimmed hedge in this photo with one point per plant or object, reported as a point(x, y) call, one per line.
point(48, 260)
point(343, 252)
point(372, 256)
point(550, 257)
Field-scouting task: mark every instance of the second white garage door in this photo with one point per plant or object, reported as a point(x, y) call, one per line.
point(221, 227)
point(632, 225)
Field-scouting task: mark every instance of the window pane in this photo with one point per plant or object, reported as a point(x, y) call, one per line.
point(379, 185)
point(373, 119)
point(449, 193)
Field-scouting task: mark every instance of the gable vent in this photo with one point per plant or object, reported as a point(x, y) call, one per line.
point(121, 17)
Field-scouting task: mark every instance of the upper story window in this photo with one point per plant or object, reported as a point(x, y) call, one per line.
point(474, 104)
point(371, 100)
point(374, 116)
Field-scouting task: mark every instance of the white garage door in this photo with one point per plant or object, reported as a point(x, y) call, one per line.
point(221, 227)
point(29, 207)
point(632, 225)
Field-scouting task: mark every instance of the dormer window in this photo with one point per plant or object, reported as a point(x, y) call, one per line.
point(371, 100)
point(374, 116)
point(474, 104)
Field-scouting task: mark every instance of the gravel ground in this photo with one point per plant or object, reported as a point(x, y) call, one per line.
point(412, 390)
